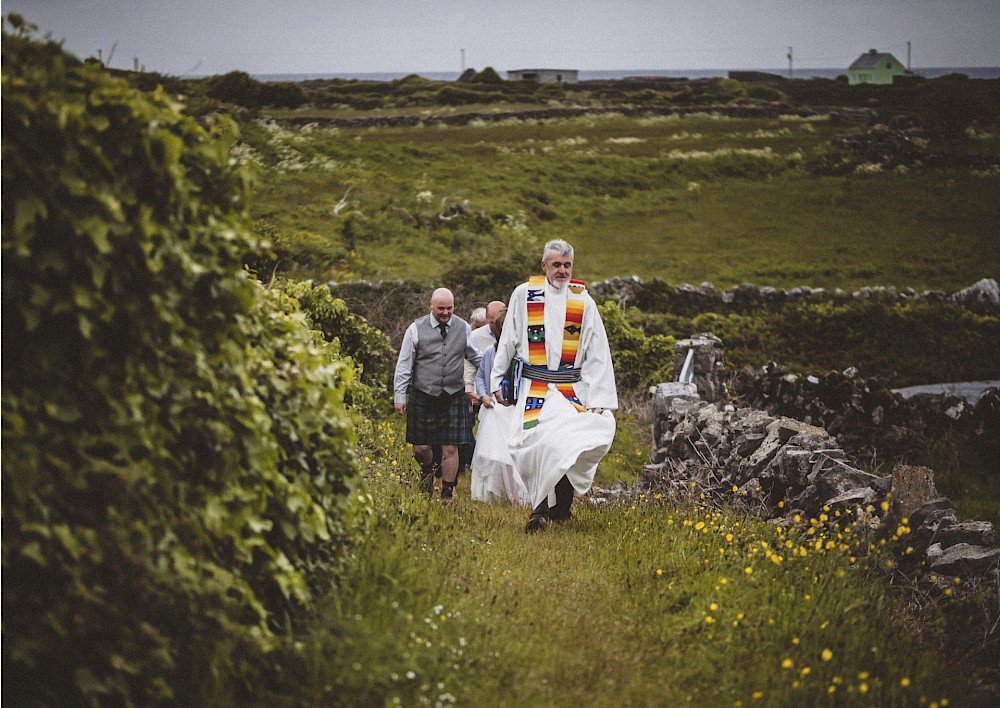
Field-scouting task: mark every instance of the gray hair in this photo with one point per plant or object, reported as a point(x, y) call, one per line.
point(478, 316)
point(559, 246)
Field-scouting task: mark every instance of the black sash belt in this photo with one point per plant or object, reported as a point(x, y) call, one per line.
point(547, 375)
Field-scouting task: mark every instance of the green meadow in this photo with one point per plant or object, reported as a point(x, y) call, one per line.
point(686, 199)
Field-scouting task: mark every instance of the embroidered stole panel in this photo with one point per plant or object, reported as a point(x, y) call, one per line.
point(572, 329)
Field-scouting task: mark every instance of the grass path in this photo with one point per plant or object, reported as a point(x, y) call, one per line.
point(633, 605)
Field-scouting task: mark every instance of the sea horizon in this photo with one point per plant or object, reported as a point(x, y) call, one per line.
point(805, 73)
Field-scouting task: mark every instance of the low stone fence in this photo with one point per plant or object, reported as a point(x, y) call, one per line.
point(867, 413)
point(781, 469)
point(757, 110)
point(633, 291)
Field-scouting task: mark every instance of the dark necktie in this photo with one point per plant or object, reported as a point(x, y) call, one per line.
point(444, 330)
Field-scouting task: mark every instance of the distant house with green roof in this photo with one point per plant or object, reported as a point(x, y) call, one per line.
point(874, 67)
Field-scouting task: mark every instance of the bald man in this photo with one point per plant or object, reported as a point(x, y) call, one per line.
point(430, 391)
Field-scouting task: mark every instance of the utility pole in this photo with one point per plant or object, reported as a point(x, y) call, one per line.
point(114, 46)
point(789, 62)
point(463, 60)
point(907, 55)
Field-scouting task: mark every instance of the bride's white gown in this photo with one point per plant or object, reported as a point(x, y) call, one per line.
point(494, 478)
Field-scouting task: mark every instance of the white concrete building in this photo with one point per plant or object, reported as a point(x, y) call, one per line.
point(545, 76)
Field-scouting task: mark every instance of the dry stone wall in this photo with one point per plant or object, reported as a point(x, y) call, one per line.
point(633, 291)
point(757, 110)
point(783, 469)
point(867, 413)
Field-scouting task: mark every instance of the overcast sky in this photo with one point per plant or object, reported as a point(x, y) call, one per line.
point(350, 36)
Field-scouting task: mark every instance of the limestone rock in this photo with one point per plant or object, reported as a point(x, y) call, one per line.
point(931, 508)
point(859, 496)
point(911, 487)
point(973, 533)
point(966, 560)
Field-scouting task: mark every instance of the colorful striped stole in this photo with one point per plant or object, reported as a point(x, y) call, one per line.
point(572, 329)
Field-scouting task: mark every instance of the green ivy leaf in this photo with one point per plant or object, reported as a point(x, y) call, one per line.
point(63, 412)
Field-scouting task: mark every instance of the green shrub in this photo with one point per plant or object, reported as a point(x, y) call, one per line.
point(491, 273)
point(282, 94)
point(177, 459)
point(352, 336)
point(488, 75)
point(765, 92)
point(907, 344)
point(727, 88)
point(236, 87)
point(455, 96)
point(641, 360)
point(545, 91)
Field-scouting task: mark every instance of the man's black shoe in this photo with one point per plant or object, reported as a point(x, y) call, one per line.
point(564, 500)
point(536, 522)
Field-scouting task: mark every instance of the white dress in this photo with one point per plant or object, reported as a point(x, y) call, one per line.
point(565, 441)
point(494, 478)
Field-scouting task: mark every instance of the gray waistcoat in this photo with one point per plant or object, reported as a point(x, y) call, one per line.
point(438, 366)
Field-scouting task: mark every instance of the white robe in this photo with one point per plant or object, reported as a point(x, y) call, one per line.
point(565, 441)
point(494, 478)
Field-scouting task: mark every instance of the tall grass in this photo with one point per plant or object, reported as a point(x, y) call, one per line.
point(649, 602)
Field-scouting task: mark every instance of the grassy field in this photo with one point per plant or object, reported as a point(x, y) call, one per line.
point(650, 602)
point(688, 199)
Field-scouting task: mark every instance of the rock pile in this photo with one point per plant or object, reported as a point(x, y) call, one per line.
point(893, 147)
point(780, 468)
point(886, 146)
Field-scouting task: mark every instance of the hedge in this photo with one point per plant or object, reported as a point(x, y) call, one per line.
point(177, 467)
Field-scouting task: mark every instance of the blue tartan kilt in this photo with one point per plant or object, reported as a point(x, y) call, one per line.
point(438, 420)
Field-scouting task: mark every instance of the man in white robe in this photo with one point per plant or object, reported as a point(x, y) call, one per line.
point(566, 426)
